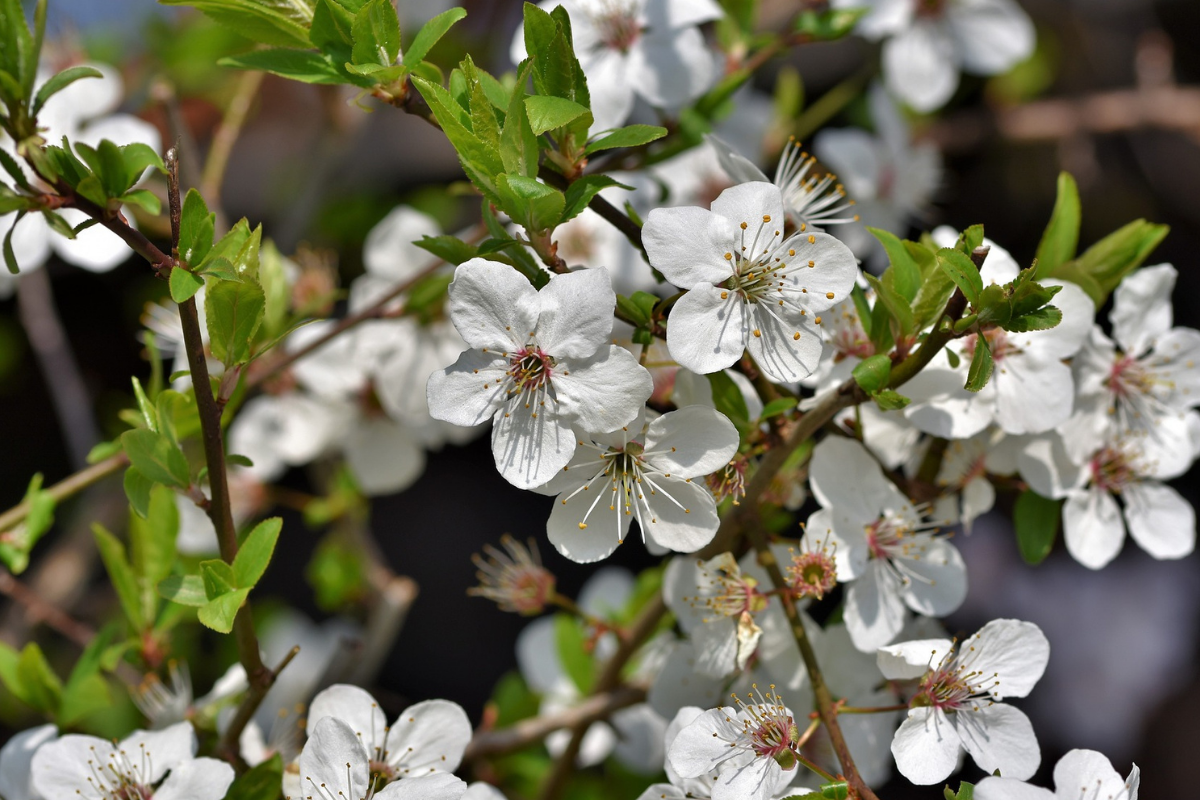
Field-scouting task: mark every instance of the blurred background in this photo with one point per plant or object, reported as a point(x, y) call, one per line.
point(1112, 95)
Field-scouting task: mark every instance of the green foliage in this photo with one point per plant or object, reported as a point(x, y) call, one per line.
point(255, 552)
point(277, 22)
point(829, 24)
point(728, 398)
point(982, 363)
point(780, 405)
point(29, 677)
point(234, 310)
point(551, 113)
point(1061, 236)
point(156, 457)
point(260, 783)
point(965, 274)
point(336, 572)
point(16, 544)
point(966, 791)
point(629, 136)
point(1035, 520)
point(512, 700)
point(574, 653)
point(196, 226)
point(872, 373)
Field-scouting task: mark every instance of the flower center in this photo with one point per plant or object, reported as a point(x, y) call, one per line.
point(768, 729)
point(1113, 469)
point(516, 579)
point(952, 685)
point(1129, 377)
point(617, 25)
point(998, 343)
point(120, 777)
point(812, 574)
point(530, 369)
point(811, 202)
point(888, 537)
point(725, 591)
point(730, 481)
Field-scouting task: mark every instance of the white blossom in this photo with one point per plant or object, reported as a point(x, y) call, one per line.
point(539, 366)
point(957, 705)
point(748, 286)
point(1079, 775)
point(16, 761)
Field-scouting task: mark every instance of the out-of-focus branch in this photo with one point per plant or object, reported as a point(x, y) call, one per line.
point(38, 611)
point(593, 709)
point(1169, 107)
point(224, 139)
point(68, 486)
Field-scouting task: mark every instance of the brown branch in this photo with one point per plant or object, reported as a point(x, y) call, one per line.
point(66, 487)
point(38, 610)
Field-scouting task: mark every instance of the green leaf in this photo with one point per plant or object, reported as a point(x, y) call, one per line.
point(137, 490)
point(906, 275)
point(571, 642)
point(152, 540)
point(728, 398)
point(1040, 320)
point(629, 136)
point(112, 553)
point(897, 306)
point(633, 311)
point(142, 198)
point(481, 163)
point(156, 457)
point(376, 33)
point(980, 370)
point(260, 783)
point(219, 613)
point(184, 284)
point(581, 192)
point(14, 171)
point(778, 406)
point(42, 688)
point(1113, 257)
point(962, 271)
point(873, 373)
point(297, 65)
point(890, 400)
point(16, 544)
point(255, 552)
point(187, 590)
point(1035, 520)
point(59, 82)
point(518, 145)
point(450, 249)
point(429, 35)
point(331, 29)
point(551, 113)
point(149, 414)
point(1061, 236)
point(196, 227)
point(234, 310)
point(829, 24)
point(838, 790)
point(218, 578)
point(86, 690)
point(10, 258)
point(277, 22)
point(531, 203)
point(966, 791)
point(138, 157)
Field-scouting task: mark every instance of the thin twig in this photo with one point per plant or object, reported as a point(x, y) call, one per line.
point(68, 486)
point(223, 140)
point(38, 610)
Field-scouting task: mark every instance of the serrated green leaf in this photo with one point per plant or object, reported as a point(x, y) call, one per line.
point(966, 791)
point(872, 373)
point(633, 311)
point(152, 541)
point(1061, 237)
point(450, 249)
point(255, 552)
point(518, 145)
point(42, 688)
point(481, 164)
point(16, 544)
point(137, 490)
point(376, 33)
point(629, 136)
point(149, 414)
point(1035, 520)
point(581, 192)
point(531, 203)
point(187, 590)
point(429, 35)
point(220, 612)
point(156, 458)
point(962, 271)
point(218, 578)
point(297, 65)
point(980, 371)
point(184, 284)
point(1109, 260)
point(275, 22)
point(234, 310)
point(59, 82)
point(196, 225)
point(121, 574)
point(551, 113)
point(897, 307)
point(1040, 320)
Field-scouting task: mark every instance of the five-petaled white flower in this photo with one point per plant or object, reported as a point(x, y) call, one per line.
point(90, 768)
point(642, 472)
point(539, 366)
point(751, 747)
point(1079, 775)
point(957, 706)
point(651, 48)
point(748, 285)
point(931, 40)
point(883, 548)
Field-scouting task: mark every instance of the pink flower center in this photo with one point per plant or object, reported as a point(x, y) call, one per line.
point(729, 482)
point(812, 574)
point(1129, 377)
point(515, 578)
point(998, 342)
point(617, 26)
point(530, 369)
point(1112, 470)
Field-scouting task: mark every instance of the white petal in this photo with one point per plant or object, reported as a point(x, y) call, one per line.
point(874, 610)
point(603, 392)
point(787, 347)
point(939, 582)
point(429, 737)
point(166, 748)
point(483, 791)
point(1044, 464)
point(353, 706)
point(64, 768)
point(333, 758)
point(639, 744)
point(691, 442)
point(992, 35)
point(577, 313)
point(824, 267)
point(1092, 527)
point(1091, 772)
point(470, 391)
point(1010, 789)
point(1161, 521)
point(707, 332)
point(920, 66)
point(1010, 652)
point(383, 456)
point(606, 592)
point(425, 787)
point(30, 241)
point(389, 252)
point(845, 477)
point(610, 87)
point(530, 443)
point(492, 305)
point(196, 779)
point(590, 525)
point(681, 13)
point(978, 497)
point(716, 647)
point(537, 656)
point(735, 165)
point(750, 203)
point(96, 249)
point(1141, 309)
point(753, 781)
point(697, 750)
point(1078, 319)
point(1032, 395)
point(687, 245)
point(942, 407)
point(683, 514)
point(910, 660)
point(854, 155)
point(926, 746)
point(1000, 737)
point(672, 66)
point(16, 761)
